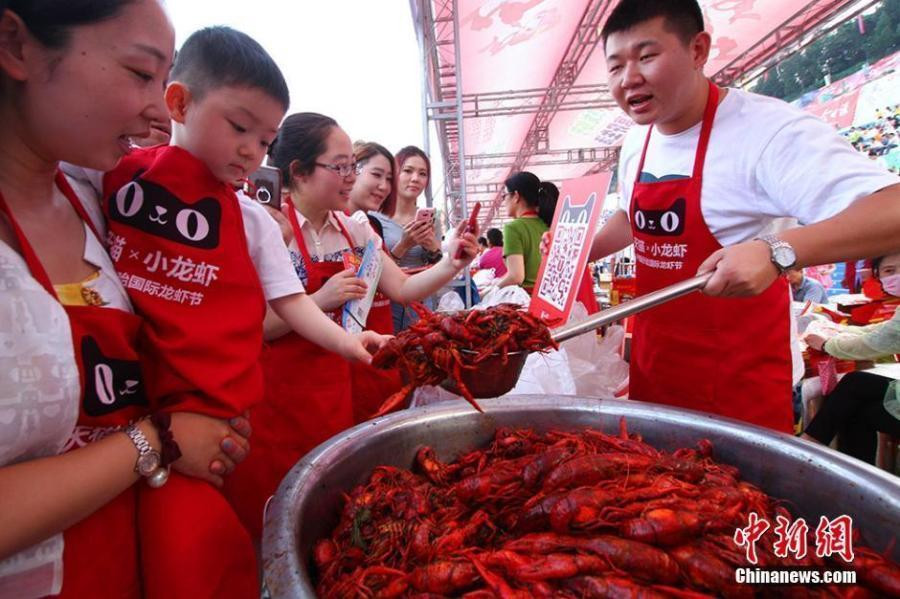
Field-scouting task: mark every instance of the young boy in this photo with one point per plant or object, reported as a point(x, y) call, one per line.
point(703, 173)
point(199, 265)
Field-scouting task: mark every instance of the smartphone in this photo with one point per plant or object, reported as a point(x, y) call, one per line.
point(265, 186)
point(425, 214)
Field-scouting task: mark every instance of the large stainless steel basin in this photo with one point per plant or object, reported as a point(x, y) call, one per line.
point(816, 480)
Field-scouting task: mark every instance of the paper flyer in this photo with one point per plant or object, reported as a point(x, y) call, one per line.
point(357, 311)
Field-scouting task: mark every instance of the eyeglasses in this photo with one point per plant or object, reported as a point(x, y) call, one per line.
point(343, 170)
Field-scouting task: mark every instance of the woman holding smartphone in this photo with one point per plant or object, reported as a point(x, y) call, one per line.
point(409, 232)
point(312, 394)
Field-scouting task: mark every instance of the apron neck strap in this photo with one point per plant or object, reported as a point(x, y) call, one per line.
point(70, 194)
point(709, 115)
point(298, 232)
point(31, 259)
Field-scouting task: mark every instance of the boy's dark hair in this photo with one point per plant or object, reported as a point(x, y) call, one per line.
point(683, 17)
point(217, 57)
point(495, 237)
point(50, 21)
point(299, 143)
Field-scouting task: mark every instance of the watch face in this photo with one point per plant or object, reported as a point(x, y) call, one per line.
point(147, 463)
point(784, 257)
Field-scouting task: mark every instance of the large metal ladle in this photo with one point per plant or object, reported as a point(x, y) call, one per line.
point(493, 378)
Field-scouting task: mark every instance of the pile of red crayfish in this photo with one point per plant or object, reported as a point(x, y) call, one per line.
point(565, 515)
point(441, 346)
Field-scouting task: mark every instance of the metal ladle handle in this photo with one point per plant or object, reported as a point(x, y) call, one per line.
point(644, 302)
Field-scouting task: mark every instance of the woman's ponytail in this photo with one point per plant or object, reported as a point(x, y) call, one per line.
point(548, 194)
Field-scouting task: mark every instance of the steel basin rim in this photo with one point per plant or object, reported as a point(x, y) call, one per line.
point(321, 458)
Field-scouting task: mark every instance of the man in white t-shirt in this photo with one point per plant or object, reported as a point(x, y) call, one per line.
point(696, 194)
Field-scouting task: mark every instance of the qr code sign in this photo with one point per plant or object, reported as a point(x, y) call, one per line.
point(559, 273)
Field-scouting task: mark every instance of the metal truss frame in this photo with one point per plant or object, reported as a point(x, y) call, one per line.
point(544, 158)
point(802, 28)
point(578, 97)
point(578, 52)
point(437, 26)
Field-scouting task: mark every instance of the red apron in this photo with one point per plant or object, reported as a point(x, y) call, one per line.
point(181, 251)
point(182, 254)
point(100, 558)
point(874, 312)
point(726, 356)
point(307, 401)
point(372, 386)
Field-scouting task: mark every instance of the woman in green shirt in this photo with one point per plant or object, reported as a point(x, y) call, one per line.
point(531, 204)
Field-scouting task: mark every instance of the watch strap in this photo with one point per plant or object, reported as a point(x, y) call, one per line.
point(140, 443)
point(775, 243)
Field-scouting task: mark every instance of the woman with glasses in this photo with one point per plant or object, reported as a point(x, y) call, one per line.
point(310, 391)
point(409, 234)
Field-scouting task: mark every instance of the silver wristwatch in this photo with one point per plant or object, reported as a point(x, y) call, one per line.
point(148, 460)
point(783, 255)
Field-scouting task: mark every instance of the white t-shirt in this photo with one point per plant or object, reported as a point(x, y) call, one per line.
point(267, 250)
point(264, 240)
point(328, 245)
point(766, 160)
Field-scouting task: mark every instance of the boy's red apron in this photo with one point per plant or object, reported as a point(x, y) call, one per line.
point(100, 558)
point(726, 356)
point(177, 237)
point(307, 401)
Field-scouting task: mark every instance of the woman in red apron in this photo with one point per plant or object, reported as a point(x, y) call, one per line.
point(309, 391)
point(112, 395)
point(373, 191)
point(724, 356)
point(59, 106)
point(104, 340)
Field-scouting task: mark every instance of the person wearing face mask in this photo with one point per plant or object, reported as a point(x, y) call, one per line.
point(74, 439)
point(310, 392)
point(862, 403)
point(412, 242)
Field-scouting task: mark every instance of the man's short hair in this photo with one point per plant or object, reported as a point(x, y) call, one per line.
point(217, 57)
point(683, 17)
